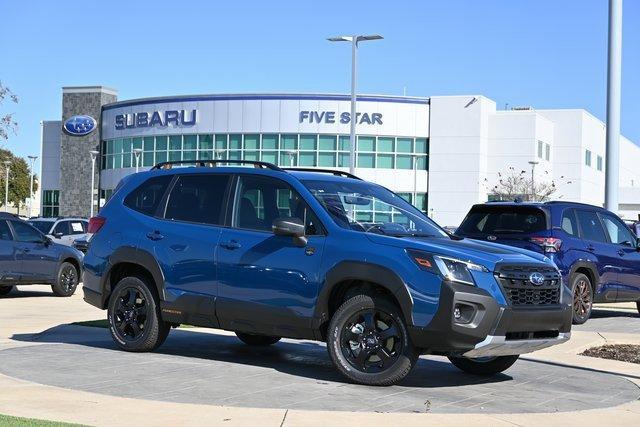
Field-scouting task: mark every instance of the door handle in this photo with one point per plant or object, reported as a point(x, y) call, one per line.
point(154, 235)
point(26, 250)
point(590, 248)
point(231, 245)
point(621, 252)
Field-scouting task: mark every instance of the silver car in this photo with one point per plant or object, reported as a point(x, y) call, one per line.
point(62, 230)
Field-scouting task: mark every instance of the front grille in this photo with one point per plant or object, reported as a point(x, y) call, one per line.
point(517, 286)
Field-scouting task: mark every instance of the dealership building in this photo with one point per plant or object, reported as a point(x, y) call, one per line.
point(442, 153)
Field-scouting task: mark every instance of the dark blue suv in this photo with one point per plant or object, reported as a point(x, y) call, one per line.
point(597, 254)
point(320, 255)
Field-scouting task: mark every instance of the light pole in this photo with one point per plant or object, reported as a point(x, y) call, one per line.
point(291, 153)
point(352, 122)
point(32, 160)
point(533, 164)
point(137, 152)
point(7, 164)
point(94, 154)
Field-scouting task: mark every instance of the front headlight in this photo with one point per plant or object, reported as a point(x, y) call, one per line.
point(457, 270)
point(452, 269)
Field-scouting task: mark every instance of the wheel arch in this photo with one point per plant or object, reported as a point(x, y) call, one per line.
point(349, 275)
point(587, 268)
point(129, 261)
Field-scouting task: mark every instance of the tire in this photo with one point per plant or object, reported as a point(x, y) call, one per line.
point(582, 290)
point(257, 340)
point(5, 290)
point(369, 343)
point(134, 317)
point(486, 367)
point(66, 281)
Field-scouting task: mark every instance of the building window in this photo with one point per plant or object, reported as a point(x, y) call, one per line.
point(540, 147)
point(50, 203)
point(599, 163)
point(547, 152)
point(310, 150)
point(587, 157)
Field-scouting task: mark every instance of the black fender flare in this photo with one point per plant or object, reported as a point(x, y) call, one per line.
point(131, 255)
point(589, 266)
point(368, 272)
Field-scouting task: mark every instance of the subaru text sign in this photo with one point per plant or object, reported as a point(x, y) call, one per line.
point(80, 125)
point(344, 118)
point(144, 119)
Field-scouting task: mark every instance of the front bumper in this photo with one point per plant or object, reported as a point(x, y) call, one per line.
point(490, 329)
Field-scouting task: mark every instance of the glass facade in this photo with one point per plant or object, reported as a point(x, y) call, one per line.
point(50, 203)
point(304, 150)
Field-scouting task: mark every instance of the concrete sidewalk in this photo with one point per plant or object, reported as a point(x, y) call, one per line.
point(38, 311)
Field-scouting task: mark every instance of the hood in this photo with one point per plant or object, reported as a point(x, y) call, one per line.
point(484, 253)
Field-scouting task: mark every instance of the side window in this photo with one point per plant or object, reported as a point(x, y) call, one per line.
point(261, 200)
point(618, 233)
point(198, 198)
point(25, 232)
point(590, 226)
point(569, 224)
point(77, 227)
point(61, 227)
point(146, 198)
point(5, 233)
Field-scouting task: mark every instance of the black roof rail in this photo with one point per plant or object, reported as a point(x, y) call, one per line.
point(7, 215)
point(214, 163)
point(331, 171)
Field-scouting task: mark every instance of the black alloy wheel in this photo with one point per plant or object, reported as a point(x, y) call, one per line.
point(582, 298)
point(67, 282)
point(134, 316)
point(369, 343)
point(131, 314)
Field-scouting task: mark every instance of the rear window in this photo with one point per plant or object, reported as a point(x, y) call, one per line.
point(147, 196)
point(503, 220)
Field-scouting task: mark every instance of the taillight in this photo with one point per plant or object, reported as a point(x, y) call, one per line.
point(548, 244)
point(96, 223)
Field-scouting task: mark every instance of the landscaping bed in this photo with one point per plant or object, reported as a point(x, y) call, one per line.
point(622, 352)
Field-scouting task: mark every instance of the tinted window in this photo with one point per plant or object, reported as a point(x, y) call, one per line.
point(261, 200)
point(77, 227)
point(62, 227)
point(617, 231)
point(198, 198)
point(5, 234)
point(569, 224)
point(590, 226)
point(147, 197)
point(43, 226)
point(503, 220)
point(25, 232)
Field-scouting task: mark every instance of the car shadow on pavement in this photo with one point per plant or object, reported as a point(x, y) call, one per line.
point(306, 359)
point(14, 294)
point(601, 313)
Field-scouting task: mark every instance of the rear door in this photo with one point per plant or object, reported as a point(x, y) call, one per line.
point(625, 244)
point(9, 265)
point(507, 224)
point(606, 257)
point(77, 230)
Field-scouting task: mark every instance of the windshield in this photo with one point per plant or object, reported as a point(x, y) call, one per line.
point(42, 226)
point(366, 207)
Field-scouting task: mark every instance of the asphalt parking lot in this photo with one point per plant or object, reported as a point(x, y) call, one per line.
point(217, 369)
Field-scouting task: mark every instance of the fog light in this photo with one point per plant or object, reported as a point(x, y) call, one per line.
point(456, 313)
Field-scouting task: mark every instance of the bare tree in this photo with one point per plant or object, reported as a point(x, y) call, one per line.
point(7, 122)
point(514, 185)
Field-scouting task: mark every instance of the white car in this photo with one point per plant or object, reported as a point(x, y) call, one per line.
point(62, 230)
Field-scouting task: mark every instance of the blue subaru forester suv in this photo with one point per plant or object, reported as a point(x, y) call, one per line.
point(597, 254)
point(321, 255)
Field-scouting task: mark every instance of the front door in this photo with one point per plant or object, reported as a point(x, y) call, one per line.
point(38, 260)
point(267, 283)
point(622, 240)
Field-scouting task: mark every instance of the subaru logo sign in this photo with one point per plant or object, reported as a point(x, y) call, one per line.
point(537, 279)
point(80, 125)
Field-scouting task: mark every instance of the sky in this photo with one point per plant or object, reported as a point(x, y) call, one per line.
point(543, 53)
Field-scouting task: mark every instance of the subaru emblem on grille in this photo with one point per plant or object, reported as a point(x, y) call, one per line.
point(536, 279)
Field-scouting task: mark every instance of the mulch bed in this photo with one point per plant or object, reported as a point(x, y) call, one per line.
point(623, 352)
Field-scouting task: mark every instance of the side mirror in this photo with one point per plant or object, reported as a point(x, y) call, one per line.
point(58, 235)
point(293, 227)
point(47, 241)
